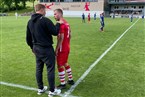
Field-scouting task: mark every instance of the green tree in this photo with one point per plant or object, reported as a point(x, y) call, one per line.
point(16, 2)
point(24, 3)
point(8, 3)
point(33, 3)
point(1, 5)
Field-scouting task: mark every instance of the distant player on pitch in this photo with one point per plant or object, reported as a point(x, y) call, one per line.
point(131, 18)
point(83, 18)
point(102, 22)
point(89, 18)
point(95, 16)
point(143, 16)
point(16, 14)
point(63, 49)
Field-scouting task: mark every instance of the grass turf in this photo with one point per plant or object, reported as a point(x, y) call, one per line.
point(119, 74)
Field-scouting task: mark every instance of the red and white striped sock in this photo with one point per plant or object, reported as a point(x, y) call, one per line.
point(61, 75)
point(69, 72)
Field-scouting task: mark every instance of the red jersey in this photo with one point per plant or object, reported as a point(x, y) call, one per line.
point(89, 17)
point(65, 29)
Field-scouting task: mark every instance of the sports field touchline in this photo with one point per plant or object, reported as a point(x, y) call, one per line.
point(17, 86)
point(72, 88)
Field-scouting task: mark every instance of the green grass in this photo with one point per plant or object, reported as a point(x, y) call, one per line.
point(121, 73)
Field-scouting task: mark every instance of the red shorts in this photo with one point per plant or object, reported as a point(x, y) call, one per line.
point(62, 58)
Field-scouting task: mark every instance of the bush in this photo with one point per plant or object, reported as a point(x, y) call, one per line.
point(4, 9)
point(13, 8)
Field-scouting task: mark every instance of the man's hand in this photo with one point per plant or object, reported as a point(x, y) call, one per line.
point(56, 52)
point(60, 21)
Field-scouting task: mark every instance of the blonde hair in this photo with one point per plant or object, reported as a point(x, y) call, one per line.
point(38, 7)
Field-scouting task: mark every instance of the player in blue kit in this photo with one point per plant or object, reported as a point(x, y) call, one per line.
point(83, 18)
point(142, 16)
point(131, 18)
point(102, 22)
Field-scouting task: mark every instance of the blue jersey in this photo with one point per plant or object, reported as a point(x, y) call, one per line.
point(94, 15)
point(102, 18)
point(83, 16)
point(143, 17)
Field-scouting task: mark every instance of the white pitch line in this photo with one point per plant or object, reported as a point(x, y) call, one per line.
point(27, 88)
point(18, 86)
point(95, 63)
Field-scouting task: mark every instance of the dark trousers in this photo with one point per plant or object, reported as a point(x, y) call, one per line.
point(102, 26)
point(83, 20)
point(45, 56)
point(131, 19)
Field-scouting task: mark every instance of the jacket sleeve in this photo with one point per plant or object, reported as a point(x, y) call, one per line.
point(53, 29)
point(29, 38)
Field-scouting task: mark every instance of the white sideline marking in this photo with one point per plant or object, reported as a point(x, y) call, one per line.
point(18, 86)
point(95, 63)
point(67, 94)
point(27, 88)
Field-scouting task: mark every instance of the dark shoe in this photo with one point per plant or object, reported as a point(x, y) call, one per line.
point(71, 82)
point(61, 86)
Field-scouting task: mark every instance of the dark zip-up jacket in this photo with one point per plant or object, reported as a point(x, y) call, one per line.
point(40, 30)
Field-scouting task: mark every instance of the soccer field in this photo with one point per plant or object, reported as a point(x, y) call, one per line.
point(120, 73)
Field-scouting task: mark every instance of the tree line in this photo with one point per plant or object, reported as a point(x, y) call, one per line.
point(10, 5)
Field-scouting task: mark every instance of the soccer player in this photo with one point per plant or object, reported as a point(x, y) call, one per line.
point(143, 16)
point(131, 18)
point(39, 37)
point(83, 18)
point(113, 15)
point(89, 18)
point(95, 16)
point(16, 14)
point(102, 22)
point(63, 49)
